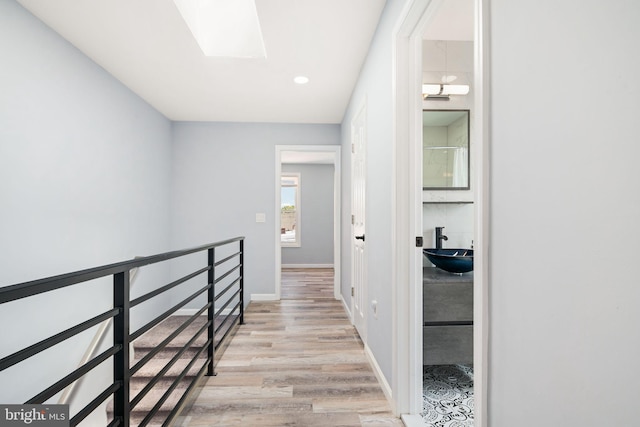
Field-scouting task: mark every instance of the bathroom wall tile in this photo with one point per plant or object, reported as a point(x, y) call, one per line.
point(461, 216)
point(457, 220)
point(458, 240)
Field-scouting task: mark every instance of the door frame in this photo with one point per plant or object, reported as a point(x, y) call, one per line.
point(407, 213)
point(362, 331)
point(335, 149)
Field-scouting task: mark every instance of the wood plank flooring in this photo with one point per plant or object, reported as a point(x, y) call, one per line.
point(295, 362)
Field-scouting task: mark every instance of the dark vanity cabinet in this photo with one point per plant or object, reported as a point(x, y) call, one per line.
point(448, 317)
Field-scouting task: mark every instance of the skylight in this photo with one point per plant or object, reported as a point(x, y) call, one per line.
point(224, 28)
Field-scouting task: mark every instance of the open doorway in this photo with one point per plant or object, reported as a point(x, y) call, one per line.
point(308, 212)
point(448, 215)
point(410, 216)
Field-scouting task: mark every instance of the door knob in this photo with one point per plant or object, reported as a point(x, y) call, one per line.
point(360, 237)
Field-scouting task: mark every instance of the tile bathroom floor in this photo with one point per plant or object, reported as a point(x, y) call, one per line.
point(447, 396)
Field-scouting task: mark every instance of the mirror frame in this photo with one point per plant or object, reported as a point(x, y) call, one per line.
point(468, 187)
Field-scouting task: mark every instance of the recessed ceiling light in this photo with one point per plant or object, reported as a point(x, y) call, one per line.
point(301, 80)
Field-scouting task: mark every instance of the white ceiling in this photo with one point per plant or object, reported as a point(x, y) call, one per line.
point(453, 20)
point(147, 46)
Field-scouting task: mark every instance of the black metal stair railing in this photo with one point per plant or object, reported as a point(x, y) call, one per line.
point(232, 267)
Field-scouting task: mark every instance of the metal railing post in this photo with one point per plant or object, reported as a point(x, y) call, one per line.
point(211, 310)
point(242, 281)
point(121, 373)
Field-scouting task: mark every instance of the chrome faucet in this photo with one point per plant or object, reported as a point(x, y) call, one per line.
point(440, 237)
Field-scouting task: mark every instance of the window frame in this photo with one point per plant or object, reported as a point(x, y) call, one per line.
point(298, 238)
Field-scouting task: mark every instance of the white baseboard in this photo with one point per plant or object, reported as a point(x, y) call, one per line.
point(386, 388)
point(412, 420)
point(347, 309)
point(307, 265)
point(264, 297)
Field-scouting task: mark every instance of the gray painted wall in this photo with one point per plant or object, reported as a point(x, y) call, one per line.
point(84, 167)
point(316, 193)
point(374, 88)
point(565, 204)
point(563, 323)
point(223, 174)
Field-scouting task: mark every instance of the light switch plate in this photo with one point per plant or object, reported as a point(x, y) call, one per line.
point(260, 217)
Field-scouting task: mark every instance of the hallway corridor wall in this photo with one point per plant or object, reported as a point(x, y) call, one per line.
point(223, 175)
point(84, 166)
point(565, 203)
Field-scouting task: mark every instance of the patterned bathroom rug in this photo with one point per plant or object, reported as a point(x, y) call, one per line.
point(447, 396)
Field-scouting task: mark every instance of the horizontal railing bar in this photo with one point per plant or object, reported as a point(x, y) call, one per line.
point(142, 393)
point(158, 291)
point(215, 316)
point(227, 332)
point(229, 316)
point(36, 287)
point(82, 414)
point(93, 346)
point(227, 273)
point(172, 387)
point(73, 376)
point(167, 313)
point(26, 289)
point(36, 348)
point(222, 292)
point(178, 407)
point(222, 261)
point(166, 341)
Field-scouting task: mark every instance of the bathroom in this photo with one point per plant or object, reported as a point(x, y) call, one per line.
point(448, 223)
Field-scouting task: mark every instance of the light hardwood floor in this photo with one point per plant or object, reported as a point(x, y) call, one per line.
point(295, 362)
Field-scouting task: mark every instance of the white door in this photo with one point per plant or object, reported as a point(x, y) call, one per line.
point(358, 239)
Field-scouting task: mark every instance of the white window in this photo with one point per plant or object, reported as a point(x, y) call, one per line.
point(290, 209)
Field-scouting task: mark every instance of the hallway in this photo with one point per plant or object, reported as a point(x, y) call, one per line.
point(295, 362)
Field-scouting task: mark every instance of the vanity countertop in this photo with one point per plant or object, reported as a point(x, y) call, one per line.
point(435, 275)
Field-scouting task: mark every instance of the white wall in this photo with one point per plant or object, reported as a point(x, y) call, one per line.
point(223, 174)
point(565, 204)
point(316, 200)
point(84, 167)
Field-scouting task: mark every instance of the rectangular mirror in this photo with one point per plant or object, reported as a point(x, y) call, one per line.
point(445, 142)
